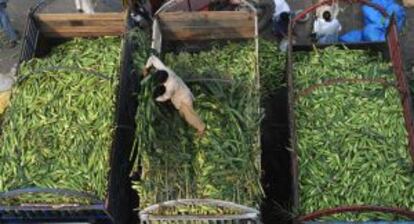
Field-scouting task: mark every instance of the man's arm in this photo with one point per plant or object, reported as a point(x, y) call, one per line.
point(148, 65)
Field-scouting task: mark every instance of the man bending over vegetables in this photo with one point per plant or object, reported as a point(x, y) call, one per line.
point(172, 87)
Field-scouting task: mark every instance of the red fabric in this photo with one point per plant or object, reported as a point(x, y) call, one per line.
point(357, 208)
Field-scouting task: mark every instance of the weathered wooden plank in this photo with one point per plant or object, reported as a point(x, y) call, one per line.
point(72, 35)
point(82, 23)
point(185, 5)
point(80, 17)
point(91, 29)
point(206, 16)
point(78, 34)
point(218, 23)
point(207, 25)
point(82, 31)
point(206, 34)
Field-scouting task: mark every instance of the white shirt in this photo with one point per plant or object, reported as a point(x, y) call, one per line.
point(175, 88)
point(137, 18)
point(85, 5)
point(333, 9)
point(322, 27)
point(280, 6)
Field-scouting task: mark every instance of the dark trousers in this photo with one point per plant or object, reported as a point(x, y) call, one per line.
point(5, 24)
point(280, 28)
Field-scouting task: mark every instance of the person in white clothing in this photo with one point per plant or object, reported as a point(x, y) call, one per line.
point(85, 6)
point(333, 8)
point(280, 7)
point(172, 87)
point(281, 19)
point(326, 29)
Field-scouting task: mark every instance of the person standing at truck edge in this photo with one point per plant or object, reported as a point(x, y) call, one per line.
point(5, 24)
point(333, 8)
point(281, 18)
point(326, 29)
point(85, 6)
point(172, 87)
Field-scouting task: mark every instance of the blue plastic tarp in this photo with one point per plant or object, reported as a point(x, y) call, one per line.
point(372, 15)
point(373, 33)
point(354, 36)
point(399, 12)
point(376, 24)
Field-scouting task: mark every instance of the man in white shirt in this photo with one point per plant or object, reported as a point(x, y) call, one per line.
point(281, 18)
point(326, 29)
point(85, 6)
point(172, 87)
point(280, 6)
point(333, 8)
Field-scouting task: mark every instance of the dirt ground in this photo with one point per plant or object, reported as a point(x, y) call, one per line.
point(18, 10)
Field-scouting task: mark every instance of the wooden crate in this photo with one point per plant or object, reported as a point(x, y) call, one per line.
point(42, 33)
point(201, 30)
point(69, 25)
point(207, 25)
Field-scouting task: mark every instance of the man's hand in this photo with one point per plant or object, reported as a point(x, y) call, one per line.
point(201, 134)
point(145, 71)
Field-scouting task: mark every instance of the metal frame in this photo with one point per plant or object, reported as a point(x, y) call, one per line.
point(361, 208)
point(248, 215)
point(31, 33)
point(95, 214)
point(403, 87)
